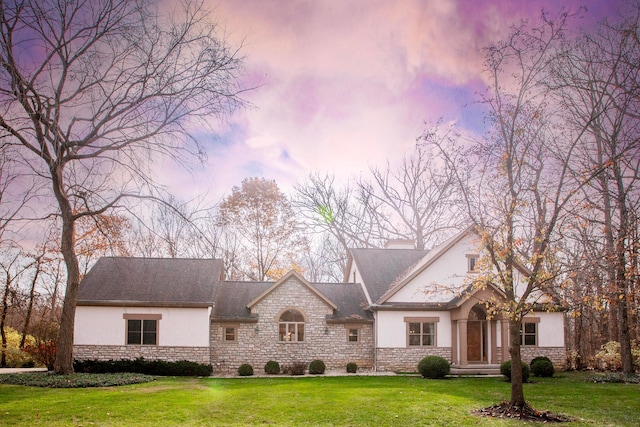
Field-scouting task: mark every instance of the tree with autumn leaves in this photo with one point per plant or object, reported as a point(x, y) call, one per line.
point(267, 237)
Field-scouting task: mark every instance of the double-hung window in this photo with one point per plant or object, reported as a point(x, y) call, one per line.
point(230, 333)
point(529, 333)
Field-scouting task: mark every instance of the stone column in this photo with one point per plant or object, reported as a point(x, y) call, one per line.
point(462, 331)
point(454, 342)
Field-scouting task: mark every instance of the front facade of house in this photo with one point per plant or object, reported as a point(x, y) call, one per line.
point(396, 306)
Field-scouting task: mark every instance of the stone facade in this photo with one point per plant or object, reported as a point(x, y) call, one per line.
point(407, 359)
point(558, 355)
point(258, 342)
point(128, 352)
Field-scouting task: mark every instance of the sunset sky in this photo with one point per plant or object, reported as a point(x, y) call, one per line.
point(344, 85)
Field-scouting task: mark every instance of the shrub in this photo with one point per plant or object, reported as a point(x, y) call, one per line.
point(535, 359)
point(295, 368)
point(272, 367)
point(44, 352)
point(181, 368)
point(608, 358)
point(434, 367)
point(245, 370)
point(43, 379)
point(15, 357)
point(616, 377)
point(542, 367)
point(505, 369)
point(352, 368)
point(317, 367)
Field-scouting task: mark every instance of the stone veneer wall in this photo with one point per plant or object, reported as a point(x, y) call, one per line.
point(407, 359)
point(558, 355)
point(128, 352)
point(257, 343)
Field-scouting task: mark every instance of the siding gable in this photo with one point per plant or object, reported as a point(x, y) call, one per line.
point(439, 277)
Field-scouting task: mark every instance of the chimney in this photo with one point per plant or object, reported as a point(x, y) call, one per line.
point(399, 244)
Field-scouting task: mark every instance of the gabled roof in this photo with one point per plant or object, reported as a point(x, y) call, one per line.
point(379, 268)
point(233, 299)
point(283, 279)
point(150, 282)
point(424, 263)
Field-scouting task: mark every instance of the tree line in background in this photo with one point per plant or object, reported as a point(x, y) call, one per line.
point(551, 186)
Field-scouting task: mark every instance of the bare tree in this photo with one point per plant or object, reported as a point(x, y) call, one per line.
point(330, 208)
point(94, 92)
point(416, 201)
point(596, 81)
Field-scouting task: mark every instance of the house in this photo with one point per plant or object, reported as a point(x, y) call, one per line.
point(396, 306)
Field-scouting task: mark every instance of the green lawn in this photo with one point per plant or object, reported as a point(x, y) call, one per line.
point(314, 401)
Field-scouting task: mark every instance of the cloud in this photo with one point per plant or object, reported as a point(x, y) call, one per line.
point(343, 85)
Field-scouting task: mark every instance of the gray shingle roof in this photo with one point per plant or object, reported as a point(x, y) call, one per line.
point(380, 267)
point(231, 299)
point(349, 298)
point(150, 281)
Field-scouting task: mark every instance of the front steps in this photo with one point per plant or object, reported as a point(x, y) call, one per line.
point(475, 370)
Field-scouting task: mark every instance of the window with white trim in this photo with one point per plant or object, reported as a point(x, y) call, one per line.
point(291, 326)
point(353, 335)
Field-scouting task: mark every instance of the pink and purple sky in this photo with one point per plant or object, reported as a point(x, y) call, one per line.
point(344, 85)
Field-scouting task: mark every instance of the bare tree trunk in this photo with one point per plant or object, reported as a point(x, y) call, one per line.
point(3, 319)
point(3, 335)
point(517, 391)
point(32, 295)
point(622, 279)
point(64, 353)
point(54, 294)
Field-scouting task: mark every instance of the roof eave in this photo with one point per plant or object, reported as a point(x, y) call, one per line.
point(348, 320)
point(432, 306)
point(233, 319)
point(131, 303)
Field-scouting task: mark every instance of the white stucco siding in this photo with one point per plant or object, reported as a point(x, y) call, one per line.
point(550, 329)
point(443, 279)
point(185, 327)
point(392, 329)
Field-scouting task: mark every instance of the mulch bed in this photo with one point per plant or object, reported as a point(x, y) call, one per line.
point(523, 413)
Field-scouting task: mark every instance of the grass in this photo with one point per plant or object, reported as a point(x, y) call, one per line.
point(315, 401)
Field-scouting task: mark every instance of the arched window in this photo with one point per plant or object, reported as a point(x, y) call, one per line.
point(291, 326)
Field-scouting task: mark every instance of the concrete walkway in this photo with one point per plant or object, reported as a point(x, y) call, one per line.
point(20, 370)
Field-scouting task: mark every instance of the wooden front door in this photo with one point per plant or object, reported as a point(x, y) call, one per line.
point(475, 341)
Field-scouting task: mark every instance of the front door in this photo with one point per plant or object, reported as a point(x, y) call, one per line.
point(475, 348)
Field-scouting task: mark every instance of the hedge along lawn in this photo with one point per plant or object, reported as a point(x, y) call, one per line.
point(315, 401)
